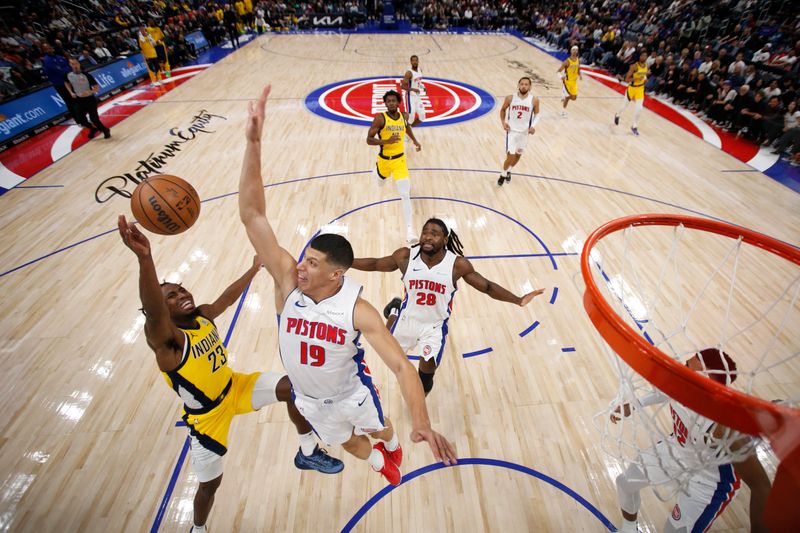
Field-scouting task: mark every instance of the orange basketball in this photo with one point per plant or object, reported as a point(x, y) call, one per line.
point(165, 204)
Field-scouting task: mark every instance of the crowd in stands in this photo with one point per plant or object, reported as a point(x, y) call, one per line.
point(98, 31)
point(734, 62)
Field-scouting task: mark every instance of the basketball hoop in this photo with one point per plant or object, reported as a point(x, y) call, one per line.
point(662, 294)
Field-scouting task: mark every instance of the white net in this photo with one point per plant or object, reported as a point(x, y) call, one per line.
point(690, 292)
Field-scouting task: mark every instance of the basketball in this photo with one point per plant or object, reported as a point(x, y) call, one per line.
point(165, 204)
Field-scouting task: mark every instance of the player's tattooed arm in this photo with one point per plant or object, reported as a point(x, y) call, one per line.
point(390, 263)
point(464, 269)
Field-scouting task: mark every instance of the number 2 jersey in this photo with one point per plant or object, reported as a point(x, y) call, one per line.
point(429, 291)
point(319, 343)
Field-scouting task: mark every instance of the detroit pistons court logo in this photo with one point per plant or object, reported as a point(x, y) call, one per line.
point(357, 101)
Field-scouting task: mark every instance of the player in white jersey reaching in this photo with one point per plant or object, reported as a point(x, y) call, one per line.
point(519, 116)
point(321, 321)
point(413, 88)
point(709, 491)
point(430, 274)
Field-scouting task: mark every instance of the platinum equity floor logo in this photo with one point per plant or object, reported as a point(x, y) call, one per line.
point(357, 101)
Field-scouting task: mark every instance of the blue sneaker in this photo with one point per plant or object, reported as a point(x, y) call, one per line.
point(319, 460)
point(635, 131)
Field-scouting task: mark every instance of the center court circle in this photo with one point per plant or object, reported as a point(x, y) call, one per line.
point(356, 101)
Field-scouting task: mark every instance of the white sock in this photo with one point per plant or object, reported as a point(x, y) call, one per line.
point(637, 113)
point(404, 189)
point(392, 444)
point(307, 443)
point(375, 460)
point(199, 529)
point(628, 526)
point(621, 109)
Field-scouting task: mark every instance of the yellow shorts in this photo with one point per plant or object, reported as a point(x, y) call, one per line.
point(396, 168)
point(211, 428)
point(635, 93)
point(571, 88)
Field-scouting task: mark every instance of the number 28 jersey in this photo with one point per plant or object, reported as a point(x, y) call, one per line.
point(429, 291)
point(319, 343)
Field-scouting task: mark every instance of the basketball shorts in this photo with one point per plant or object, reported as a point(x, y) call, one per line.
point(396, 168)
point(152, 64)
point(335, 420)
point(635, 93)
point(414, 107)
point(707, 494)
point(209, 431)
point(516, 141)
point(428, 338)
point(569, 88)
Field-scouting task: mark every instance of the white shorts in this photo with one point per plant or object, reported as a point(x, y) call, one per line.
point(706, 495)
point(429, 338)
point(336, 420)
point(702, 503)
point(414, 107)
point(207, 465)
point(516, 141)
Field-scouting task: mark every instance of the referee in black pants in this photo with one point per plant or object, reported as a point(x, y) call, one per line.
point(82, 86)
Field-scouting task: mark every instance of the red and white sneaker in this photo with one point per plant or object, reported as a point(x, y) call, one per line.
point(389, 470)
point(396, 456)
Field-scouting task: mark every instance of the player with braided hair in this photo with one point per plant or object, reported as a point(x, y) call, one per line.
point(431, 271)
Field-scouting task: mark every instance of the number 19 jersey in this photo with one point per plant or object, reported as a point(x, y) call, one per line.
point(319, 343)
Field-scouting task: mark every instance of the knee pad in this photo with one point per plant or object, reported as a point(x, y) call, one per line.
point(427, 381)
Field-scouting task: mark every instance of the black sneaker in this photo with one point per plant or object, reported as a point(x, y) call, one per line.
point(107, 134)
point(319, 460)
point(92, 133)
point(501, 180)
point(394, 304)
point(508, 178)
point(616, 120)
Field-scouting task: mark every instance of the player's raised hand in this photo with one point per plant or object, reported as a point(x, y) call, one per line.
point(530, 296)
point(442, 450)
point(255, 116)
point(133, 237)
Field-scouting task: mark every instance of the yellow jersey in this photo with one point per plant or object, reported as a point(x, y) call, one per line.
point(239, 6)
point(148, 45)
point(203, 376)
point(248, 6)
point(573, 68)
point(390, 127)
point(639, 75)
point(158, 35)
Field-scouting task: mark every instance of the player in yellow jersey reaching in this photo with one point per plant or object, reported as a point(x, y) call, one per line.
point(636, 78)
point(194, 361)
point(570, 73)
point(388, 130)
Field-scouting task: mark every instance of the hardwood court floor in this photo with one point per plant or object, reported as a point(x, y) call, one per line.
point(88, 431)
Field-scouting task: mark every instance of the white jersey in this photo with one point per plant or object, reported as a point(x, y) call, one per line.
point(429, 291)
point(520, 113)
point(416, 80)
point(319, 344)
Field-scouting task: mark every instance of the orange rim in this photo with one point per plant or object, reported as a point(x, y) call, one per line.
point(734, 409)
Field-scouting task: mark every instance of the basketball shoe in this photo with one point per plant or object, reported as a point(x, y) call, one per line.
point(319, 460)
